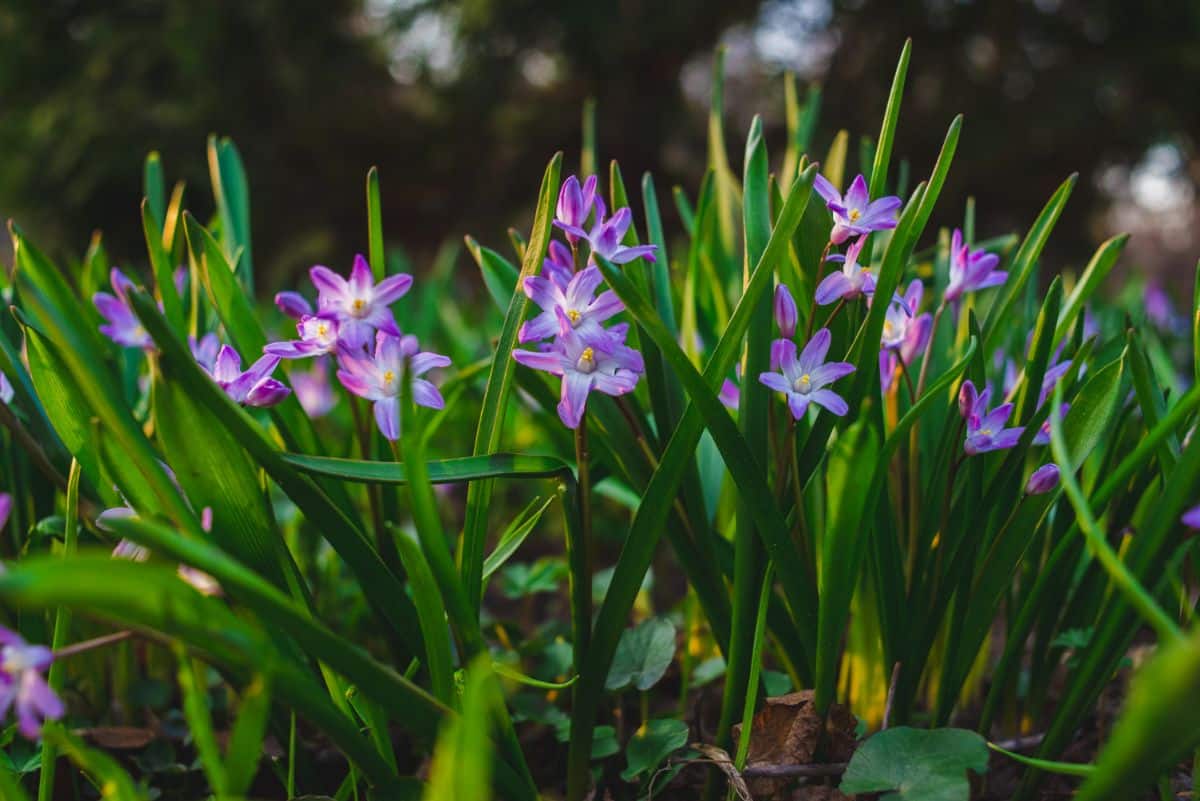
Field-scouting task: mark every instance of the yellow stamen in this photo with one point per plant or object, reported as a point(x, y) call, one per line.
point(389, 377)
point(573, 316)
point(803, 384)
point(322, 330)
point(588, 355)
point(854, 215)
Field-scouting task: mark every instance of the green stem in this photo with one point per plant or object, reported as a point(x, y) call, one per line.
point(760, 624)
point(62, 629)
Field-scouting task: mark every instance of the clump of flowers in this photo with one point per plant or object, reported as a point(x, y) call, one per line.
point(355, 324)
point(581, 351)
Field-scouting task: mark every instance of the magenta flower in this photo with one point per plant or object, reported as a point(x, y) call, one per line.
point(600, 361)
point(787, 316)
point(293, 304)
point(22, 685)
point(6, 503)
point(252, 387)
point(803, 379)
point(318, 336)
point(605, 237)
point(1191, 518)
point(1042, 480)
point(854, 214)
point(985, 429)
point(971, 269)
point(123, 326)
point(378, 378)
point(359, 304)
point(851, 282)
point(730, 394)
point(576, 300)
point(559, 265)
point(574, 205)
point(314, 390)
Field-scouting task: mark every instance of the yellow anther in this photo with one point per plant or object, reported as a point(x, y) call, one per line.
point(803, 384)
point(573, 316)
point(854, 215)
point(389, 377)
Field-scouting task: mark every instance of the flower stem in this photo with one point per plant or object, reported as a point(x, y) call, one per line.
point(92, 644)
point(584, 484)
point(812, 307)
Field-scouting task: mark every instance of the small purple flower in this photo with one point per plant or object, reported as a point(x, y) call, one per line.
point(1191, 518)
point(559, 264)
point(205, 351)
point(730, 394)
point(1042, 480)
point(576, 300)
point(318, 336)
point(6, 503)
point(1042, 437)
point(180, 278)
point(1053, 373)
point(787, 316)
point(124, 327)
point(854, 214)
point(293, 304)
point(359, 304)
point(916, 339)
point(253, 387)
point(22, 685)
point(803, 379)
point(985, 429)
point(378, 378)
point(900, 316)
point(6, 389)
point(574, 205)
point(971, 269)
point(605, 237)
point(314, 390)
point(601, 362)
point(851, 282)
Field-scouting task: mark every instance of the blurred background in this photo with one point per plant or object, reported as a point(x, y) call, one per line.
point(460, 104)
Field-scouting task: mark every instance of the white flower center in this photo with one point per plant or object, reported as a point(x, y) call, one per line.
point(574, 316)
point(854, 215)
point(358, 308)
point(803, 384)
point(587, 361)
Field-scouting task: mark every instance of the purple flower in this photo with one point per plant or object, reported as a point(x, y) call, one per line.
point(314, 390)
point(205, 351)
point(1053, 373)
point(1042, 437)
point(971, 269)
point(1191, 518)
point(787, 317)
point(123, 326)
point(6, 503)
point(6, 389)
point(851, 282)
point(559, 264)
point(605, 237)
point(899, 317)
point(180, 278)
point(293, 304)
point(318, 336)
point(803, 379)
point(601, 362)
point(22, 685)
point(574, 205)
point(916, 339)
point(1042, 480)
point(378, 378)
point(359, 304)
point(730, 394)
point(576, 300)
point(253, 387)
point(985, 429)
point(854, 214)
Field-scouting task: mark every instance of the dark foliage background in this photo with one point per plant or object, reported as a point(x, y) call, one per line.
point(461, 103)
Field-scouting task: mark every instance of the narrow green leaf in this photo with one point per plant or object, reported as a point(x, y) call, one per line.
point(375, 227)
point(245, 747)
point(193, 686)
point(154, 189)
point(231, 192)
point(1101, 264)
point(432, 616)
point(164, 270)
point(891, 118)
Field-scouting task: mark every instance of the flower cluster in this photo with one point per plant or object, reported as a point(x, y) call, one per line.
point(354, 323)
point(581, 351)
point(802, 378)
point(985, 428)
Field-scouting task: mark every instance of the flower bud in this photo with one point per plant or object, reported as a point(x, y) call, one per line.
point(293, 304)
point(1044, 479)
point(967, 398)
point(786, 315)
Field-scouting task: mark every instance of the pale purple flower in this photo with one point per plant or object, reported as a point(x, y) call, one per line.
point(22, 685)
point(559, 264)
point(1191, 518)
point(378, 377)
point(314, 389)
point(318, 336)
point(1042, 437)
point(900, 316)
point(605, 237)
point(730, 394)
point(1042, 480)
point(1053, 373)
point(576, 300)
point(601, 362)
point(205, 351)
point(359, 304)
point(854, 214)
point(787, 316)
point(971, 269)
point(252, 387)
point(123, 326)
point(1158, 306)
point(574, 205)
point(180, 278)
point(6, 389)
point(852, 281)
point(916, 338)
point(293, 304)
point(803, 379)
point(985, 429)
point(6, 504)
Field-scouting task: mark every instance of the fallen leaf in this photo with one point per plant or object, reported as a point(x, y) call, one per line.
point(119, 738)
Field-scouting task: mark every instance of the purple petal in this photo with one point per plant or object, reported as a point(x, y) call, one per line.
point(626, 255)
point(831, 401)
point(293, 304)
point(267, 392)
point(797, 404)
point(573, 404)
point(815, 351)
point(328, 283)
point(783, 355)
point(830, 372)
point(551, 362)
point(387, 417)
point(426, 394)
point(361, 278)
point(775, 381)
point(833, 287)
point(826, 190)
point(858, 195)
point(392, 288)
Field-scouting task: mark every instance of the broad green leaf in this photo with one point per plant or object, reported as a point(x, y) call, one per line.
point(917, 764)
point(375, 227)
point(101, 769)
point(193, 686)
point(443, 471)
point(431, 613)
point(462, 760)
point(231, 192)
point(520, 580)
point(497, 390)
point(643, 655)
point(654, 741)
point(162, 267)
point(1101, 264)
point(154, 189)
point(499, 275)
point(520, 528)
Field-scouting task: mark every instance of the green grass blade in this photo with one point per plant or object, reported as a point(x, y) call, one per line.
point(104, 772)
point(444, 471)
point(192, 677)
point(431, 613)
point(163, 269)
point(245, 747)
point(376, 256)
point(891, 118)
point(496, 393)
point(1101, 264)
point(231, 192)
